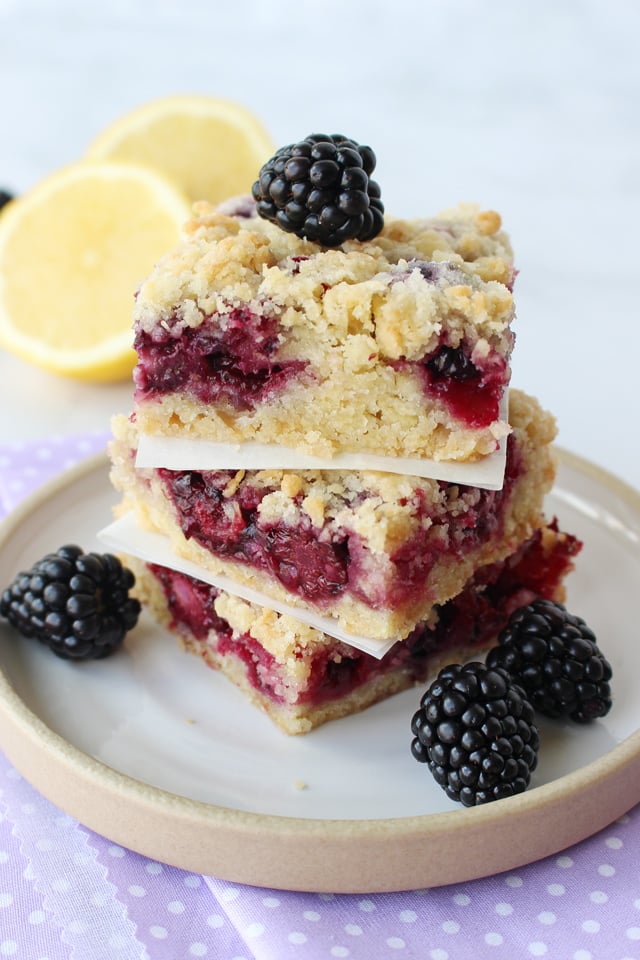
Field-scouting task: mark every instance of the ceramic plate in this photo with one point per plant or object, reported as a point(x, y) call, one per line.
point(157, 752)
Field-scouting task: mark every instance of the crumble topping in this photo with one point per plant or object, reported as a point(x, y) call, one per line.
point(225, 262)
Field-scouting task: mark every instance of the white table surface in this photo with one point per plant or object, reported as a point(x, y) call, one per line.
point(530, 108)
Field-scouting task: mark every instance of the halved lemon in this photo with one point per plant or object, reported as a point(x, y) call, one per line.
point(212, 148)
point(73, 251)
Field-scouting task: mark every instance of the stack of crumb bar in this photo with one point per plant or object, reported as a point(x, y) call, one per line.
point(328, 490)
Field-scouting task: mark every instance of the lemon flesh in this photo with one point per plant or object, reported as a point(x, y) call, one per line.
point(72, 253)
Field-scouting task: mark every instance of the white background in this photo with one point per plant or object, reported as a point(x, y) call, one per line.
point(531, 108)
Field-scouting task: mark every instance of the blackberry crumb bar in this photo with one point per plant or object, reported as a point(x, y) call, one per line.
point(300, 321)
point(375, 551)
point(303, 678)
point(398, 346)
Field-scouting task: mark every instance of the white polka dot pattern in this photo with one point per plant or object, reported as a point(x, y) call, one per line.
point(530, 912)
point(554, 909)
point(66, 870)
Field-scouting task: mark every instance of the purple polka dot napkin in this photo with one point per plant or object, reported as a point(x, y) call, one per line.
point(25, 466)
point(68, 894)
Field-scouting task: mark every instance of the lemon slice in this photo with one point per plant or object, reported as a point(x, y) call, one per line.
point(212, 148)
point(73, 251)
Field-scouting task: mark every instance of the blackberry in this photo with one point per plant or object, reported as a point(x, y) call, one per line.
point(554, 655)
point(5, 196)
point(320, 189)
point(475, 729)
point(76, 603)
point(452, 362)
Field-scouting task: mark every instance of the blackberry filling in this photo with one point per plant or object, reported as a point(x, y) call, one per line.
point(190, 602)
point(470, 620)
point(320, 566)
point(234, 363)
point(471, 393)
point(229, 527)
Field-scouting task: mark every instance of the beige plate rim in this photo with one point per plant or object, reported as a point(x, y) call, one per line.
point(334, 856)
